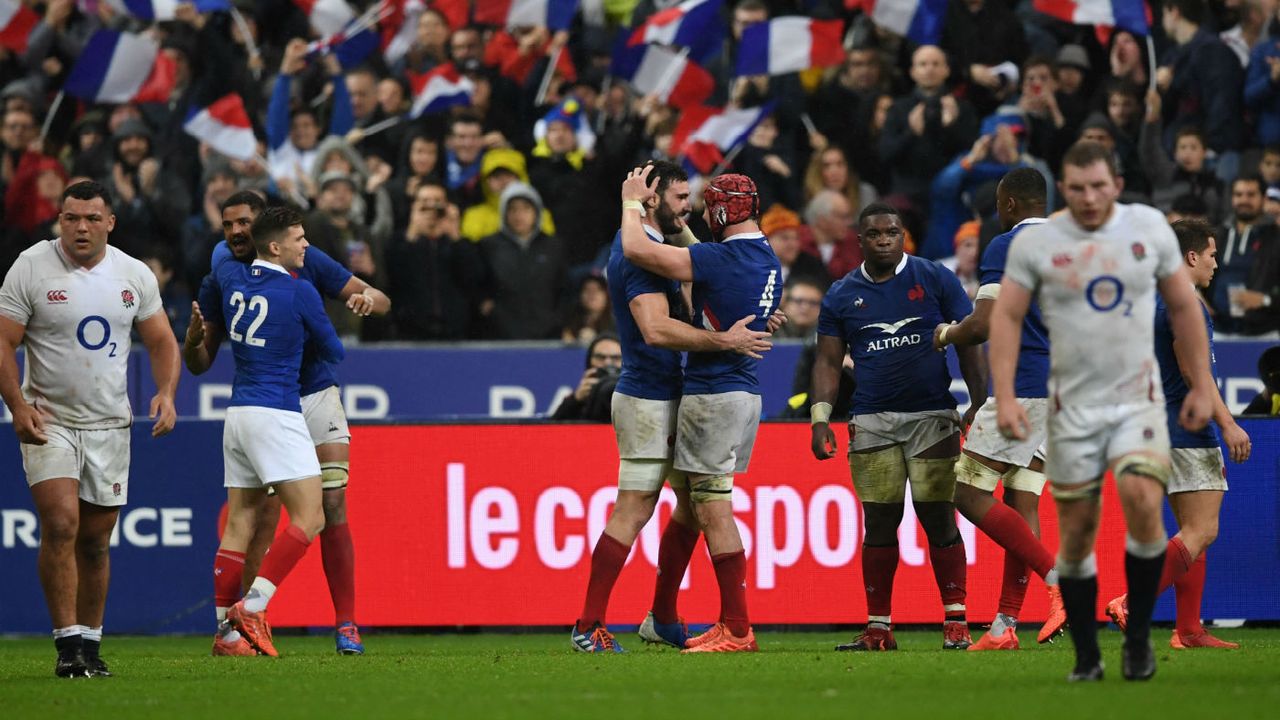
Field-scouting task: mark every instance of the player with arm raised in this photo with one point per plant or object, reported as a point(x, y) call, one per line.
point(265, 442)
point(1199, 477)
point(650, 314)
point(321, 406)
point(988, 458)
point(73, 301)
point(905, 427)
point(719, 412)
point(1094, 271)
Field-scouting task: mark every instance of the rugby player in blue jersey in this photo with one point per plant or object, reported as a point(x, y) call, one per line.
point(651, 314)
point(905, 427)
point(1199, 477)
point(321, 406)
point(736, 275)
point(266, 442)
point(989, 458)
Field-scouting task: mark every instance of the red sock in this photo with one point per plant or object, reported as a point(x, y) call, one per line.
point(606, 563)
point(731, 574)
point(286, 550)
point(1177, 562)
point(879, 564)
point(949, 571)
point(338, 554)
point(674, 552)
point(1014, 587)
point(1189, 591)
point(228, 571)
point(1011, 532)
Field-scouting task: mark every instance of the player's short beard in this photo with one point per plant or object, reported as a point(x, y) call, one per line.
point(667, 220)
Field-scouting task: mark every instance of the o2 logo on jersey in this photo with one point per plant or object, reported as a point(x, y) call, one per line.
point(1105, 293)
point(95, 326)
point(56, 297)
point(126, 297)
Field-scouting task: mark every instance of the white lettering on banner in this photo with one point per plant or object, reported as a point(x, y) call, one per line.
point(18, 526)
point(365, 402)
point(485, 526)
point(564, 392)
point(501, 395)
point(544, 528)
point(769, 555)
point(848, 532)
point(209, 393)
point(175, 527)
point(456, 508)
point(147, 527)
point(1242, 385)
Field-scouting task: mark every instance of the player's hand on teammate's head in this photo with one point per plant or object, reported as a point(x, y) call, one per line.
point(776, 320)
point(163, 412)
point(28, 425)
point(823, 441)
point(636, 187)
point(745, 341)
point(1239, 446)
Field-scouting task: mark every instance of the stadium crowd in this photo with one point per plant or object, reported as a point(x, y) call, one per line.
point(493, 220)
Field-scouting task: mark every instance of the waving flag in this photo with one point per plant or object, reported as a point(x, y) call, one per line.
point(919, 21)
point(789, 44)
point(1131, 15)
point(225, 127)
point(118, 67)
point(550, 14)
point(675, 79)
point(694, 24)
point(166, 9)
point(16, 23)
point(439, 89)
point(327, 17)
point(705, 133)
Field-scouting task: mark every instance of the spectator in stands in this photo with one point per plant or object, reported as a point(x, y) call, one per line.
point(203, 229)
point(464, 150)
point(1267, 402)
point(965, 261)
point(1245, 294)
point(801, 301)
point(925, 129)
point(433, 273)
point(293, 136)
point(1271, 204)
point(174, 295)
point(843, 109)
point(1249, 30)
point(1269, 166)
point(772, 166)
point(1048, 134)
point(362, 89)
point(1128, 57)
point(1201, 81)
point(1073, 94)
point(430, 45)
point(419, 164)
point(20, 134)
point(591, 399)
point(1262, 91)
point(591, 315)
point(782, 227)
point(501, 168)
point(33, 196)
point(566, 174)
point(340, 232)
point(371, 205)
point(1186, 173)
point(829, 169)
point(150, 202)
point(1124, 112)
point(525, 270)
point(988, 70)
point(828, 234)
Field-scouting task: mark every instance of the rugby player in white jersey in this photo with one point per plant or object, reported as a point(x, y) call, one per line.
point(73, 302)
point(1094, 272)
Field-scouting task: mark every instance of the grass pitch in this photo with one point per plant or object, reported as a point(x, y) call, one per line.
point(797, 675)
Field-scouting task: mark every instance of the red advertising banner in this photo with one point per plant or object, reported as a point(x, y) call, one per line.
point(494, 525)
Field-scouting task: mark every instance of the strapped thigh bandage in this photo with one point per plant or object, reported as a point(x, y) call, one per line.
point(879, 476)
point(932, 480)
point(334, 475)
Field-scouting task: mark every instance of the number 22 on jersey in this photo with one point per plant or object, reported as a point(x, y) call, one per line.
point(256, 303)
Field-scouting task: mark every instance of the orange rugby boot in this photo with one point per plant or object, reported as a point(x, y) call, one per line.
point(875, 637)
point(1202, 639)
point(711, 635)
point(1118, 611)
point(725, 641)
point(1008, 640)
point(253, 627)
point(235, 648)
point(1057, 620)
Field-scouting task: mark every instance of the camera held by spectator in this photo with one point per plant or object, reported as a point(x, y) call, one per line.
point(592, 400)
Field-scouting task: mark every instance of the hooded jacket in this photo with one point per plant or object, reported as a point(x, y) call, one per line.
point(525, 281)
point(380, 222)
point(486, 218)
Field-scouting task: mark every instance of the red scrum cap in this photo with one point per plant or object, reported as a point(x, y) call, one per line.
point(730, 199)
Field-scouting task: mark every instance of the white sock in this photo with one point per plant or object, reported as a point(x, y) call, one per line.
point(259, 594)
point(881, 621)
point(1003, 622)
point(1051, 579)
point(92, 634)
point(68, 631)
point(220, 613)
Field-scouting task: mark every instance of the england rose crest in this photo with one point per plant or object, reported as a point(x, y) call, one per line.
point(127, 297)
point(1139, 251)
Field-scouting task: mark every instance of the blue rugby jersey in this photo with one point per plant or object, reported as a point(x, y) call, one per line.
point(648, 372)
point(888, 328)
point(1175, 386)
point(272, 317)
point(1032, 378)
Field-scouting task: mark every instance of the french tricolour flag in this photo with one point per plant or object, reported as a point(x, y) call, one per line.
point(16, 23)
point(790, 44)
point(705, 133)
point(674, 78)
point(694, 24)
point(438, 90)
point(225, 127)
point(118, 67)
point(919, 21)
point(327, 17)
point(1128, 15)
point(166, 9)
point(551, 14)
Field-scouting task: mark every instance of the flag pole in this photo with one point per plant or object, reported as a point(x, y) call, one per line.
point(249, 44)
point(1151, 63)
point(48, 119)
point(545, 85)
point(669, 76)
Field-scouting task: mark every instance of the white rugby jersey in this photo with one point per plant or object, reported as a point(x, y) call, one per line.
point(1097, 294)
point(78, 324)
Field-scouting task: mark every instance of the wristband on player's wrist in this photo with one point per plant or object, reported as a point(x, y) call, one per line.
point(942, 335)
point(820, 413)
point(634, 205)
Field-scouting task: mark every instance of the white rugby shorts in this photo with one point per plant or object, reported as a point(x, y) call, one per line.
point(97, 459)
point(1197, 469)
point(266, 446)
point(984, 436)
point(1084, 440)
point(914, 431)
point(715, 433)
point(325, 416)
point(645, 429)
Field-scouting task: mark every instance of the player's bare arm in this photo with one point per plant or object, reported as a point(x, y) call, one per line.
point(364, 299)
point(1187, 322)
point(653, 316)
point(825, 383)
point(973, 369)
point(665, 260)
point(200, 346)
point(973, 330)
point(28, 422)
point(1237, 440)
point(1002, 354)
point(162, 348)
